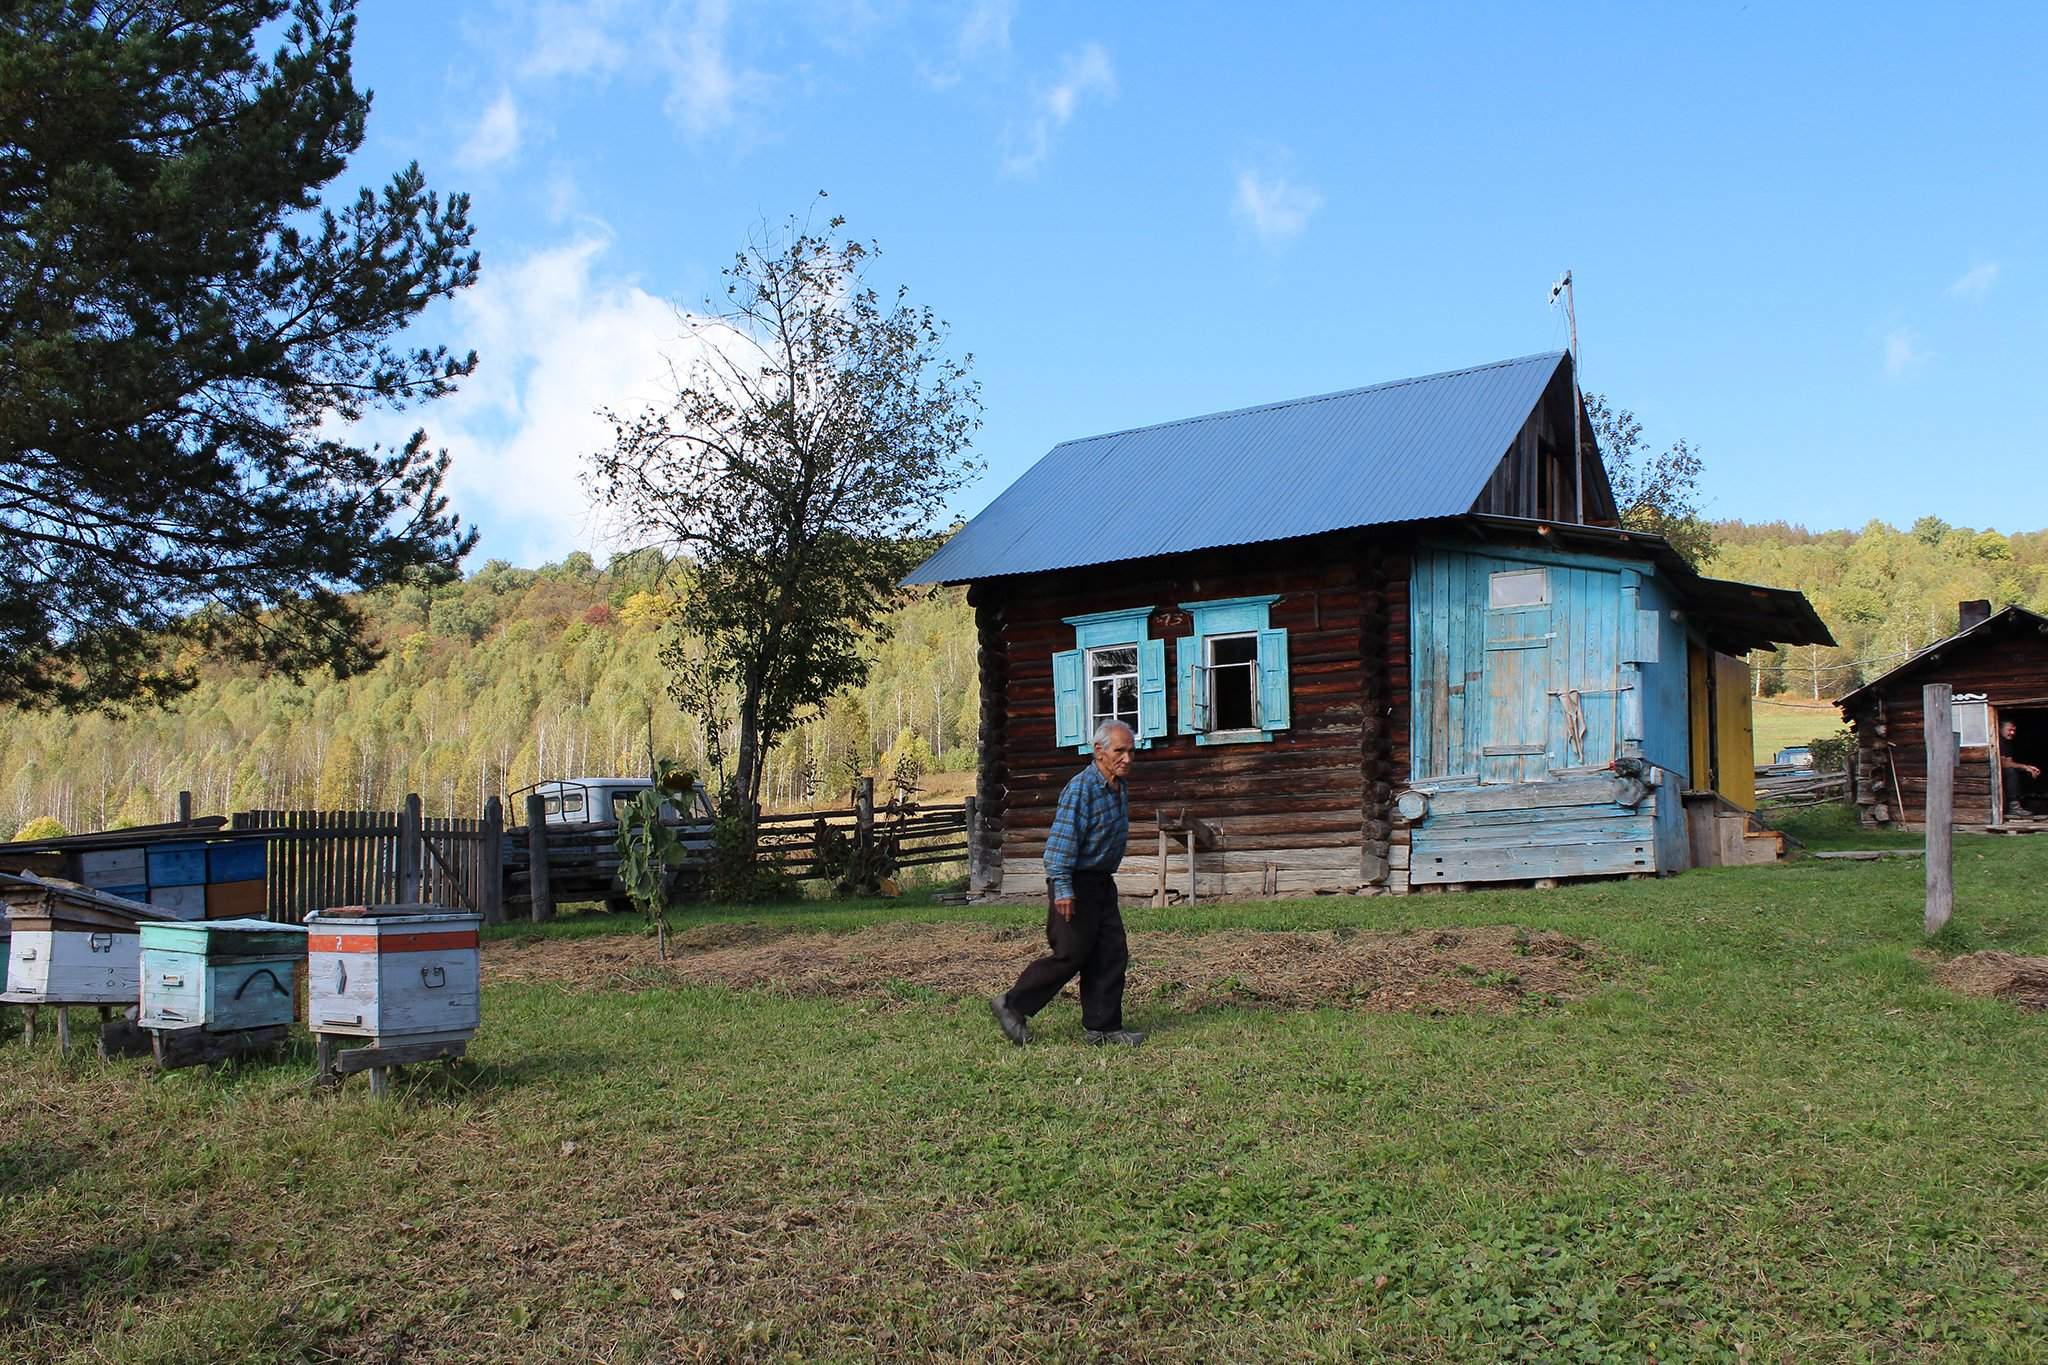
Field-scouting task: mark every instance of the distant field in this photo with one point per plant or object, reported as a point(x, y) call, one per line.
point(1780, 721)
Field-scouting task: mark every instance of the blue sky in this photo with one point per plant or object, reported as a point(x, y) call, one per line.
point(1811, 240)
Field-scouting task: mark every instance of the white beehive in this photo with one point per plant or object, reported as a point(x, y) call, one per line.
point(70, 946)
point(407, 973)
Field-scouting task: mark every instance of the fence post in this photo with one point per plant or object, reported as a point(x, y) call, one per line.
point(1937, 714)
point(184, 808)
point(975, 858)
point(409, 851)
point(490, 864)
point(864, 814)
point(537, 858)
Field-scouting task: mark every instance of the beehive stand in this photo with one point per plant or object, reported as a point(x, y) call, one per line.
point(336, 1063)
point(401, 978)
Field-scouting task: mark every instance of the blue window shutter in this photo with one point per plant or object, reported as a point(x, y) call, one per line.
point(1067, 712)
point(1274, 713)
point(1151, 690)
point(1187, 650)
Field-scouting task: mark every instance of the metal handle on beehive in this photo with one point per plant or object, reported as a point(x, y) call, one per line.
point(433, 978)
point(101, 943)
point(276, 985)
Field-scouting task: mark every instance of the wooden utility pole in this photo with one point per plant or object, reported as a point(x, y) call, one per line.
point(1937, 710)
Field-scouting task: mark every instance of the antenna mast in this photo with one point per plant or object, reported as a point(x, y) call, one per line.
point(1571, 313)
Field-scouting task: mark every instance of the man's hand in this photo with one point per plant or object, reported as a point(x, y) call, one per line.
point(2031, 770)
point(1064, 908)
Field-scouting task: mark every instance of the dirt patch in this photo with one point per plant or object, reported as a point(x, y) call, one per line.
point(2000, 976)
point(1445, 970)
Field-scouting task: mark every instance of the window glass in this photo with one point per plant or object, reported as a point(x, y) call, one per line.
point(1972, 722)
point(1113, 686)
point(1233, 682)
point(1519, 588)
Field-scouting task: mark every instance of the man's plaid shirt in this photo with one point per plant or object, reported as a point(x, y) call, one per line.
point(1088, 832)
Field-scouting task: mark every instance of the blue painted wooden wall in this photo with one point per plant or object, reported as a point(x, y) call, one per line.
point(1490, 712)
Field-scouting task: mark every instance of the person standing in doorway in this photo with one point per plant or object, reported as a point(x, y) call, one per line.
point(1083, 926)
point(2020, 778)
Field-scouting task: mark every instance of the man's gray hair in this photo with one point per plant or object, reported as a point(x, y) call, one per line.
point(1104, 729)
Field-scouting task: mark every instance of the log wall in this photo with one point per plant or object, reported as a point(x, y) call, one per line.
point(2007, 662)
point(1305, 812)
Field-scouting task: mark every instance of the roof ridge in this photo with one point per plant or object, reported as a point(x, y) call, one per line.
point(1307, 399)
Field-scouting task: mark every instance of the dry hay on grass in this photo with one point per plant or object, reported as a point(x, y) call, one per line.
point(1466, 969)
point(2001, 976)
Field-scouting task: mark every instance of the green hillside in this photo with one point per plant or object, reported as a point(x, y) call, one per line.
point(514, 674)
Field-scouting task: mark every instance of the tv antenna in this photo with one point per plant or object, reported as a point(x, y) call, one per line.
point(1571, 314)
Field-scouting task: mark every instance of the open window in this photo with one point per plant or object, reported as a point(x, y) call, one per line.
point(1234, 683)
point(1114, 672)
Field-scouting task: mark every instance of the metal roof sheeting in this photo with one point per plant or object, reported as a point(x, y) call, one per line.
point(1405, 451)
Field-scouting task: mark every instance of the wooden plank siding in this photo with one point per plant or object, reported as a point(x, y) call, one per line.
point(1298, 801)
point(2007, 663)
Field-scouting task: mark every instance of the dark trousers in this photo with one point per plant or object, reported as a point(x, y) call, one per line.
point(2016, 789)
point(1091, 944)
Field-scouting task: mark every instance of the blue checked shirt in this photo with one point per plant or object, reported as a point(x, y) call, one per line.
point(1088, 832)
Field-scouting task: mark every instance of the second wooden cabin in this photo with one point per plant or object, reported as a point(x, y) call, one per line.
point(1382, 638)
point(1997, 664)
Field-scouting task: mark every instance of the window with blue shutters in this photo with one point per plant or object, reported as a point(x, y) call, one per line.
point(1114, 672)
point(1234, 685)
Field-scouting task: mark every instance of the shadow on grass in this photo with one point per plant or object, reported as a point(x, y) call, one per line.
point(26, 1167)
point(67, 1285)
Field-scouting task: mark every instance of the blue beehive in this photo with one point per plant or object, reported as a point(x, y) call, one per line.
point(177, 864)
point(222, 975)
point(240, 861)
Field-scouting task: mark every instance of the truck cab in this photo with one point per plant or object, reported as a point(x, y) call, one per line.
point(596, 800)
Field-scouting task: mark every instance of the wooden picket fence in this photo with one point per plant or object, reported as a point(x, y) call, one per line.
point(321, 858)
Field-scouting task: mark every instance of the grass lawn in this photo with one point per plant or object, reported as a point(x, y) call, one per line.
point(1780, 722)
point(1763, 1134)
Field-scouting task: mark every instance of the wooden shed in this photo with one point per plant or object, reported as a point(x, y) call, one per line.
point(1374, 639)
point(1997, 664)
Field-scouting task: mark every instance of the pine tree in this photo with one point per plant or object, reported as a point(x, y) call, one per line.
point(183, 328)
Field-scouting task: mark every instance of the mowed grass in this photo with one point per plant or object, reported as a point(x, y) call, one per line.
point(1779, 723)
point(1767, 1136)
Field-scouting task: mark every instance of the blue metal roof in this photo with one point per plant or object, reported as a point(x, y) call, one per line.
point(1405, 451)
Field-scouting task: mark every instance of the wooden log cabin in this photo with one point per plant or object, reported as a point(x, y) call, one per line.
point(1997, 664)
point(1375, 639)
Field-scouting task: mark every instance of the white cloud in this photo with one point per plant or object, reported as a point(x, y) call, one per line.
point(703, 87)
point(496, 135)
point(1274, 207)
point(983, 35)
point(558, 339)
point(683, 44)
point(1086, 73)
point(986, 30)
point(1902, 353)
point(579, 39)
point(1975, 282)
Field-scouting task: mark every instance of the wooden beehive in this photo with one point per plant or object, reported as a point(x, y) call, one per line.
point(70, 945)
point(223, 975)
point(400, 972)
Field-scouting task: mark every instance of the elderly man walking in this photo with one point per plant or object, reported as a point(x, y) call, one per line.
point(1082, 925)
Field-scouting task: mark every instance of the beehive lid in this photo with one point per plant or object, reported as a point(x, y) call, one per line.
point(374, 917)
point(226, 938)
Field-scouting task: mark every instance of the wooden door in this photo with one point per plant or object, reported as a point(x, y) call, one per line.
point(1514, 739)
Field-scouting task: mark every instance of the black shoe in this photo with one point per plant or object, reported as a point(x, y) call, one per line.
point(1011, 1021)
point(1119, 1037)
